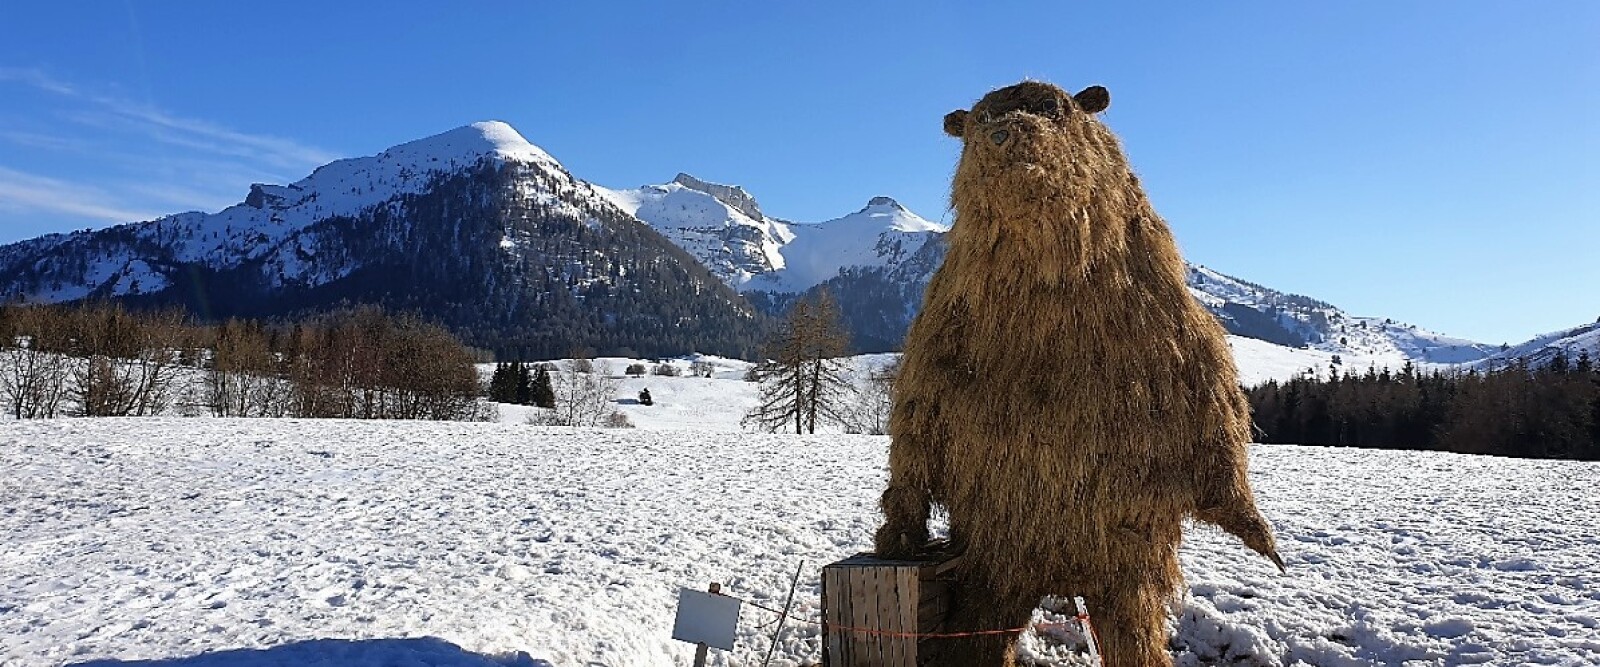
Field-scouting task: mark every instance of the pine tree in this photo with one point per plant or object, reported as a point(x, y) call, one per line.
point(524, 384)
point(503, 384)
point(543, 394)
point(804, 381)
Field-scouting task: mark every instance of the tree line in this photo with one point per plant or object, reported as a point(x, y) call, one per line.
point(104, 360)
point(1550, 410)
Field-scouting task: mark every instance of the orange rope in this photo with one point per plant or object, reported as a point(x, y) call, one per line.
point(911, 635)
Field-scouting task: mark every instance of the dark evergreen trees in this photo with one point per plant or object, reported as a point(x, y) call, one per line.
point(522, 383)
point(1549, 411)
point(503, 384)
point(542, 393)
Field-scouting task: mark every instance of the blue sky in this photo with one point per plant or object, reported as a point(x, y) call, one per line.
point(1434, 162)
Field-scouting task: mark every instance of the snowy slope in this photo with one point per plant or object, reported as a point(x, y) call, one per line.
point(268, 226)
point(1325, 327)
point(723, 227)
point(1541, 349)
point(285, 542)
point(880, 235)
point(728, 238)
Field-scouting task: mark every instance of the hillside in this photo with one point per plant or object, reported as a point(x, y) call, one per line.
point(475, 228)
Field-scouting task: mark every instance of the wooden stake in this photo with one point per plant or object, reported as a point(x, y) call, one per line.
point(786, 606)
point(700, 650)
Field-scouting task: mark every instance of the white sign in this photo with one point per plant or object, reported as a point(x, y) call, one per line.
point(706, 618)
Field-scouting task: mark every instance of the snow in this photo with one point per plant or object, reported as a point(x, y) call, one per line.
point(881, 234)
point(1383, 341)
point(275, 542)
point(1541, 349)
point(735, 246)
point(766, 253)
point(1259, 361)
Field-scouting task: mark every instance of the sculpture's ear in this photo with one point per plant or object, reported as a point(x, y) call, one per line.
point(955, 123)
point(1093, 99)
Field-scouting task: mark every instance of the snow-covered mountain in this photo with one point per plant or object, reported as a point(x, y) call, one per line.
point(475, 227)
point(877, 261)
point(1540, 351)
point(723, 226)
point(273, 224)
point(483, 230)
point(1251, 310)
point(720, 225)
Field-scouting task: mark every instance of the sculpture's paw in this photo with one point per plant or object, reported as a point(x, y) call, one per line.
point(899, 541)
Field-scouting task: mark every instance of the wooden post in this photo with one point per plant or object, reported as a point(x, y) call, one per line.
point(700, 650)
point(787, 605)
point(871, 607)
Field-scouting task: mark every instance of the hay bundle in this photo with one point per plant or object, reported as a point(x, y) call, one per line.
point(1062, 394)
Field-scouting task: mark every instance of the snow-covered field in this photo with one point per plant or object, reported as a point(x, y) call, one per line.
point(200, 542)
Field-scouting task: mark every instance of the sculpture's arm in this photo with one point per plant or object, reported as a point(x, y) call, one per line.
point(915, 457)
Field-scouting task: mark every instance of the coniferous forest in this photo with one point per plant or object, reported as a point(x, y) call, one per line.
point(1549, 411)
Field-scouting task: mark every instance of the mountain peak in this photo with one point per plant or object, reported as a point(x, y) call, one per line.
point(731, 195)
point(490, 138)
point(881, 201)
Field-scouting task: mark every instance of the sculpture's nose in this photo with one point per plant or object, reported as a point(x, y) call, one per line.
point(999, 136)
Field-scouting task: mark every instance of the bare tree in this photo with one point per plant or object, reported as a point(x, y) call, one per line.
point(128, 361)
point(34, 367)
point(582, 398)
point(874, 399)
point(241, 381)
point(805, 378)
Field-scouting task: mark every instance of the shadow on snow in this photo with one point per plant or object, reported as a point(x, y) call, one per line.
point(423, 652)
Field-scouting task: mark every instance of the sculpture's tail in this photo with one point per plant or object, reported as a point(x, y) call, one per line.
point(1246, 524)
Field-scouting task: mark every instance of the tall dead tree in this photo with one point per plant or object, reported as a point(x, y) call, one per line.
point(805, 379)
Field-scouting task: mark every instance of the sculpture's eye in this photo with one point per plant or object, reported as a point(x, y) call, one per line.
point(1050, 107)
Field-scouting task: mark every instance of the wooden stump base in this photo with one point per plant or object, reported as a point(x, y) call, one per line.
point(872, 607)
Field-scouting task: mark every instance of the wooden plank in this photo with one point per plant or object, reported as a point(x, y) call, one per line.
point(833, 653)
point(827, 618)
point(933, 605)
point(847, 641)
point(907, 601)
point(892, 596)
point(888, 617)
point(861, 644)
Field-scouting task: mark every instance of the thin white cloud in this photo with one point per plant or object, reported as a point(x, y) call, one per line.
point(145, 160)
point(182, 197)
point(22, 191)
point(45, 141)
point(37, 79)
point(160, 125)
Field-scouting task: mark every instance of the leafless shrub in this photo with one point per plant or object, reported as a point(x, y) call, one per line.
point(34, 369)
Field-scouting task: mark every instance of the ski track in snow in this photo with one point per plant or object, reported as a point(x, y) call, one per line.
point(333, 542)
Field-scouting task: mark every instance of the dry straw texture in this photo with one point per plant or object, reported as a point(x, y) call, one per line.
point(1063, 396)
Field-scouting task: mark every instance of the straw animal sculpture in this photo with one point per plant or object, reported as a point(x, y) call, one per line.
point(1062, 394)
